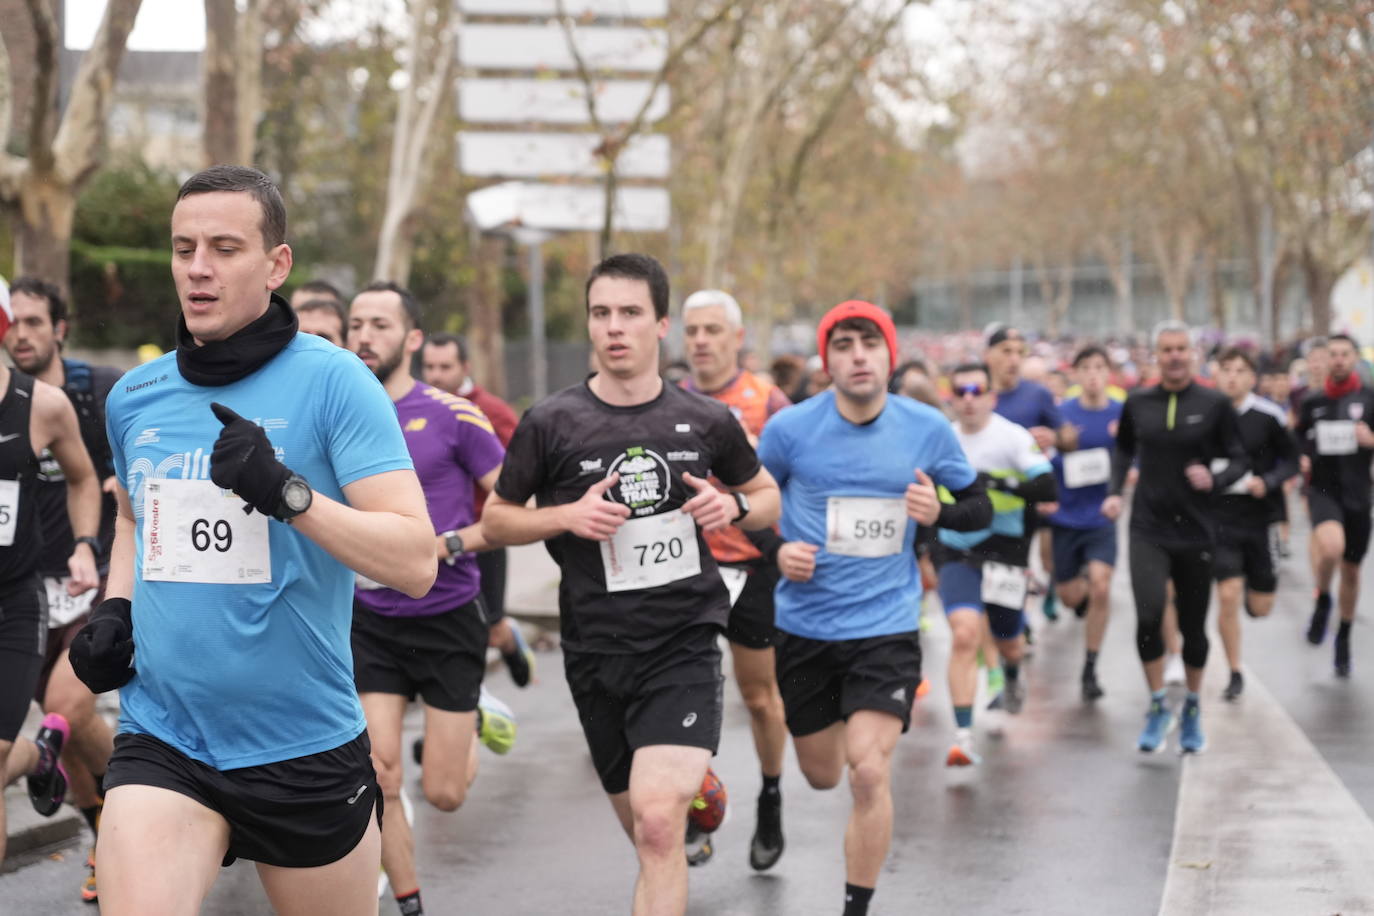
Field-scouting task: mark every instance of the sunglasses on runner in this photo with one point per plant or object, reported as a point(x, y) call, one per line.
point(965, 391)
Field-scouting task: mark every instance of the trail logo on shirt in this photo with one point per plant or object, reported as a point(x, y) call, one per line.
point(644, 480)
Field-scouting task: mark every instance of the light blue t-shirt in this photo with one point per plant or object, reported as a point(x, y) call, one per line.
point(238, 675)
point(816, 456)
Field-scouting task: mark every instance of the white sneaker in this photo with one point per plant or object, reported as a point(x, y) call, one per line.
point(961, 753)
point(1174, 675)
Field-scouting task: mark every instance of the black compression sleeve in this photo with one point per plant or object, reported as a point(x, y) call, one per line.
point(1125, 450)
point(972, 509)
point(767, 541)
point(1286, 453)
point(1039, 489)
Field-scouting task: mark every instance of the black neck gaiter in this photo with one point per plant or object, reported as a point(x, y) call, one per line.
point(221, 362)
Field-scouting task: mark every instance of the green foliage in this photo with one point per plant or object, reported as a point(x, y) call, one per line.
point(122, 297)
point(127, 204)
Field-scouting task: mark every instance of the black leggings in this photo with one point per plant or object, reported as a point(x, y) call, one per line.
point(1152, 567)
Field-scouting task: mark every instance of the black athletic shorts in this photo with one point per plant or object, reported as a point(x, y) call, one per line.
point(441, 658)
point(299, 813)
point(1323, 508)
point(823, 682)
point(751, 619)
point(23, 640)
point(491, 565)
point(668, 695)
point(1244, 553)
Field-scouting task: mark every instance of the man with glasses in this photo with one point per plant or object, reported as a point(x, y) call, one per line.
point(984, 571)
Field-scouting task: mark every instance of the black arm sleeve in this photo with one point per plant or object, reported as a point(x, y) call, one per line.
point(1286, 452)
point(1124, 455)
point(1041, 488)
point(1226, 442)
point(766, 541)
point(971, 511)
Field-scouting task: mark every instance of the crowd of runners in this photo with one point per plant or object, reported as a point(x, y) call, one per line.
point(273, 539)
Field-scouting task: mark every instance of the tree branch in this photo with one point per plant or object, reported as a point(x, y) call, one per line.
point(77, 147)
point(44, 74)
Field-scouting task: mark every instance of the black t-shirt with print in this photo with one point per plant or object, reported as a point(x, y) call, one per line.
point(573, 439)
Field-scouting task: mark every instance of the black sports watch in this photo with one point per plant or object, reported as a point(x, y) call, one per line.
point(296, 497)
point(742, 502)
point(89, 542)
point(453, 543)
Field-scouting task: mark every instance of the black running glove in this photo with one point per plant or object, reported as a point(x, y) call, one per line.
point(102, 654)
point(243, 461)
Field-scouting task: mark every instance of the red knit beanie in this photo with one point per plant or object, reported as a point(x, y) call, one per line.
point(857, 308)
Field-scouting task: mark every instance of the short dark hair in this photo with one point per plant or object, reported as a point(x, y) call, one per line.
point(325, 305)
point(634, 267)
point(42, 289)
point(443, 339)
point(409, 306)
point(1345, 337)
point(860, 325)
point(323, 288)
point(972, 367)
point(1089, 352)
point(1239, 353)
point(238, 178)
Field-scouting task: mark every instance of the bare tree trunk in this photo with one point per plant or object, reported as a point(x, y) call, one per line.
point(1318, 280)
point(1283, 267)
point(248, 83)
point(1175, 264)
point(220, 140)
point(486, 336)
point(40, 190)
point(42, 238)
point(415, 114)
point(1211, 273)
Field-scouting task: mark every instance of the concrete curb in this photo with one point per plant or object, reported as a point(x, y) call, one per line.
point(28, 830)
point(1263, 824)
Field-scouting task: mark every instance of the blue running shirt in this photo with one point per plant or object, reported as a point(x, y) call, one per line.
point(1081, 506)
point(238, 675)
point(823, 462)
point(1029, 404)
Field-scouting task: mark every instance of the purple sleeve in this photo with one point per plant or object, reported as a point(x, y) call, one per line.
point(475, 446)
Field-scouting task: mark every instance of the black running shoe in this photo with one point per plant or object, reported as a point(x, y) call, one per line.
point(417, 750)
point(1080, 610)
point(1343, 654)
point(766, 847)
point(1235, 688)
point(47, 783)
point(1316, 629)
point(1092, 690)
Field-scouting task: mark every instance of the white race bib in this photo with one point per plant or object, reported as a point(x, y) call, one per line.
point(864, 526)
point(195, 532)
point(62, 607)
point(1336, 437)
point(1087, 468)
point(651, 551)
point(9, 511)
point(734, 579)
point(1004, 586)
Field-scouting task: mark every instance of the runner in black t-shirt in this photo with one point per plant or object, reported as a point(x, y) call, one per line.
point(619, 469)
point(1338, 445)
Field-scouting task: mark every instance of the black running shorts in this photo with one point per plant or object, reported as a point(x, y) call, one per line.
point(823, 682)
point(23, 640)
point(751, 619)
point(1356, 523)
point(668, 695)
point(440, 658)
point(299, 813)
point(1244, 553)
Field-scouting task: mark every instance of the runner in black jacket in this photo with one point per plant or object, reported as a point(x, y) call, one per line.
point(1175, 429)
point(1247, 508)
point(1333, 430)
